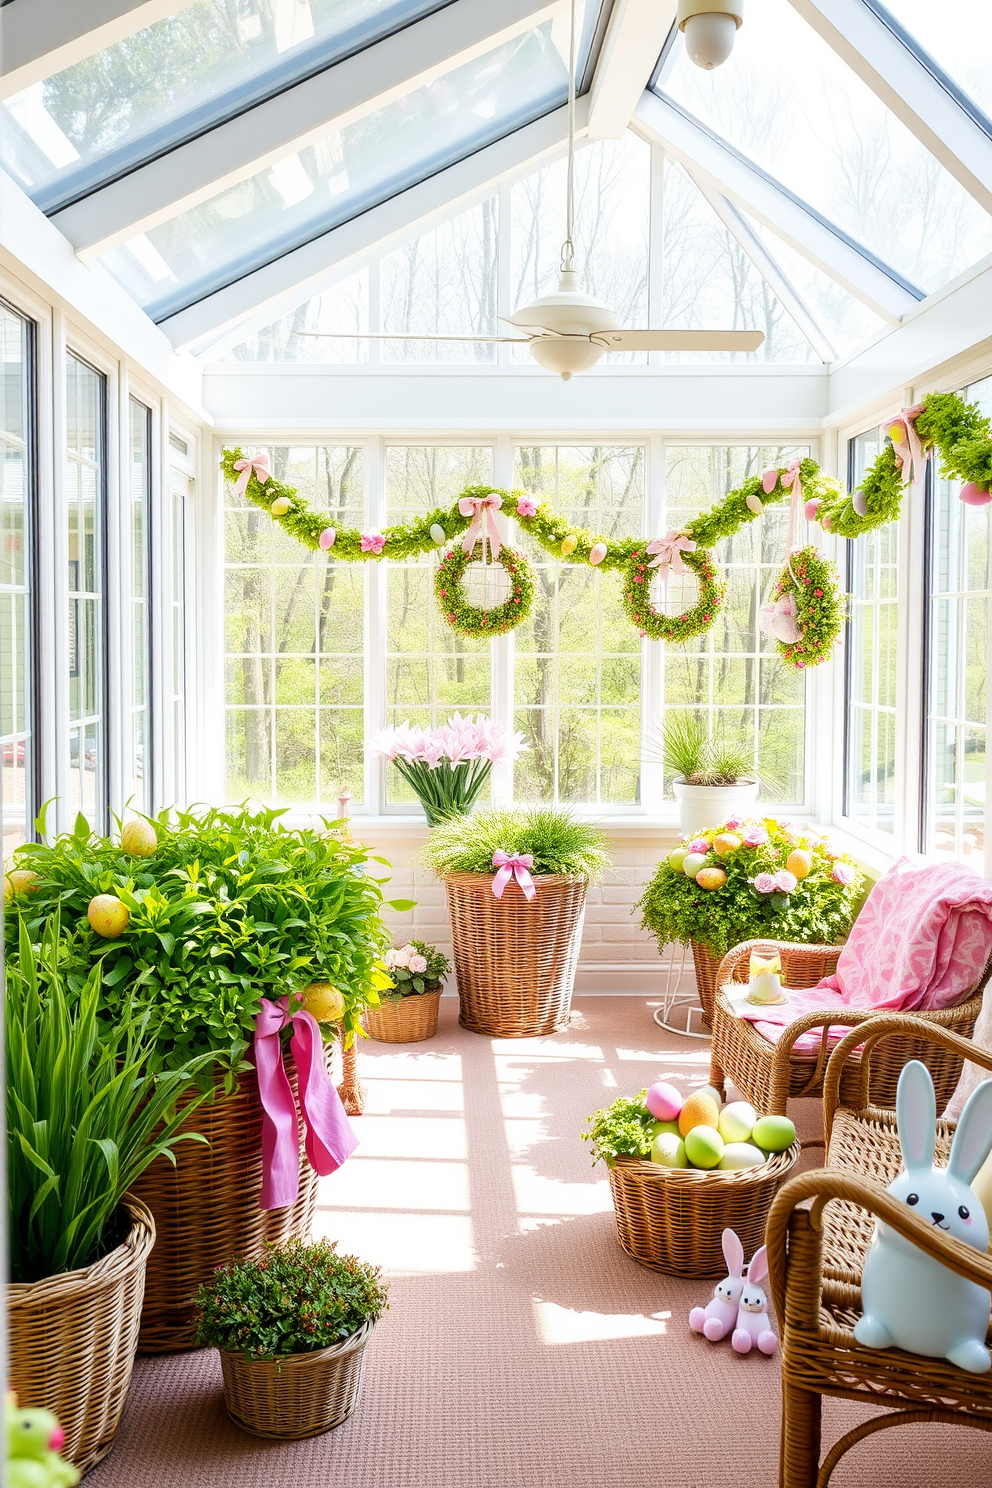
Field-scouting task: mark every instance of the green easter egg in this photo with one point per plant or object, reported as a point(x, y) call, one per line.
point(737, 1121)
point(704, 1147)
point(741, 1155)
point(774, 1133)
point(668, 1149)
point(677, 858)
point(692, 862)
point(671, 1127)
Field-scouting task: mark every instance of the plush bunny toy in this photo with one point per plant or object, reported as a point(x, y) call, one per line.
point(753, 1324)
point(718, 1317)
point(910, 1300)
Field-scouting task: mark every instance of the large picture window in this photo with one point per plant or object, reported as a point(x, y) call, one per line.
point(86, 506)
point(16, 576)
point(139, 566)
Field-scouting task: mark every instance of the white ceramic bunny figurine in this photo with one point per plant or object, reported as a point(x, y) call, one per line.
point(753, 1323)
point(718, 1317)
point(910, 1300)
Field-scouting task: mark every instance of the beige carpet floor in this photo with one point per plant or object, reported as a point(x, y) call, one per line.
point(522, 1348)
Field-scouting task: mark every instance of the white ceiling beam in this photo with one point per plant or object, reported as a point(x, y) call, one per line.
point(296, 276)
point(918, 92)
point(329, 101)
point(41, 37)
point(633, 43)
point(740, 228)
point(739, 179)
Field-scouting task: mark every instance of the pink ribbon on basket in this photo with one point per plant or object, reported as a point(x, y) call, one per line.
point(909, 449)
point(330, 1139)
point(260, 465)
point(513, 867)
point(482, 510)
point(668, 552)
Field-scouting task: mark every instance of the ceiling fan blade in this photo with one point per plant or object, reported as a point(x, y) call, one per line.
point(405, 336)
point(678, 340)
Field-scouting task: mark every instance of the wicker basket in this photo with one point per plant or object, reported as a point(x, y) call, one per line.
point(73, 1338)
point(299, 1396)
point(515, 958)
point(672, 1219)
point(803, 967)
point(408, 1020)
point(206, 1210)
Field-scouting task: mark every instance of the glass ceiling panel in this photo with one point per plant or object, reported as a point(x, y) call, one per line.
point(87, 124)
point(958, 37)
point(789, 102)
point(343, 174)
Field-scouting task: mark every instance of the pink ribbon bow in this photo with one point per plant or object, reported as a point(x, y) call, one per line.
point(260, 465)
point(777, 618)
point(909, 449)
point(668, 551)
point(329, 1136)
point(515, 867)
point(482, 510)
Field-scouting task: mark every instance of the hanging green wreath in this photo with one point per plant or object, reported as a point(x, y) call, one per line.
point(471, 620)
point(805, 599)
point(654, 623)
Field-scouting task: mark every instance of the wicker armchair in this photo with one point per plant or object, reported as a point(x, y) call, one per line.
point(819, 1230)
point(768, 1074)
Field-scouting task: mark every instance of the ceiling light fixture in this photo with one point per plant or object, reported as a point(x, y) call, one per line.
point(709, 28)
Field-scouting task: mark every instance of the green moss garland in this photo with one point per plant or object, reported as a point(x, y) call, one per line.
point(469, 619)
point(819, 609)
point(651, 622)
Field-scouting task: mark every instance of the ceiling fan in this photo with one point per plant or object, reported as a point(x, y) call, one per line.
point(567, 330)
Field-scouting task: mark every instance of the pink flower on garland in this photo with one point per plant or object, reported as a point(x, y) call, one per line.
point(842, 873)
point(755, 837)
point(373, 542)
point(785, 881)
point(699, 845)
point(765, 883)
point(526, 507)
point(732, 823)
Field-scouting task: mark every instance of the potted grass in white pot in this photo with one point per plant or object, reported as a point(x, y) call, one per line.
point(714, 777)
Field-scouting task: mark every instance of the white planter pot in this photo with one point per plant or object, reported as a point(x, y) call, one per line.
point(704, 806)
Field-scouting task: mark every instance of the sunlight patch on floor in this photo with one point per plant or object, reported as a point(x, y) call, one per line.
point(395, 1183)
point(411, 1136)
point(561, 1325)
point(536, 1194)
point(402, 1244)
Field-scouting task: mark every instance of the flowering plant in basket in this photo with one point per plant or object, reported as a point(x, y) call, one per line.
point(748, 879)
point(447, 766)
point(415, 968)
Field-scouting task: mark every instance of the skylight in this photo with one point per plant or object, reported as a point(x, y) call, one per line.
point(958, 37)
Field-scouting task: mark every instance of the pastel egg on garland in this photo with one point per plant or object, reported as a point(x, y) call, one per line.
point(597, 553)
point(677, 857)
point(754, 505)
point(664, 1101)
point(569, 545)
point(972, 494)
point(438, 534)
point(326, 538)
point(280, 506)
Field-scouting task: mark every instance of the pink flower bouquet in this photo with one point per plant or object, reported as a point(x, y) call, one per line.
point(447, 766)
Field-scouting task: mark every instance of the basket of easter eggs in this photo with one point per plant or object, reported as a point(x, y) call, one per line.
point(684, 1169)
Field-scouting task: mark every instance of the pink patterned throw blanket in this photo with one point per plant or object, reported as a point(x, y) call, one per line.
point(921, 943)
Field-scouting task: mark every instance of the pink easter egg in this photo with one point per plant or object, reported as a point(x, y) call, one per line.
point(597, 553)
point(973, 494)
point(326, 538)
point(769, 481)
point(663, 1101)
point(811, 508)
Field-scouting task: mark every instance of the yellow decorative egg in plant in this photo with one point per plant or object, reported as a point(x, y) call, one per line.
point(20, 881)
point(323, 1002)
point(280, 506)
point(726, 843)
point(108, 916)
point(799, 862)
point(711, 878)
point(677, 857)
point(139, 838)
point(569, 544)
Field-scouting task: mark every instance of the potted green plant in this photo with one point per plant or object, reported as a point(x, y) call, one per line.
point(291, 1327)
point(516, 887)
point(87, 1113)
point(206, 918)
point(713, 777)
point(747, 880)
point(408, 1013)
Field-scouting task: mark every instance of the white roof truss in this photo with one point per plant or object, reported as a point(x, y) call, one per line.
point(293, 119)
point(732, 175)
point(911, 85)
point(634, 38)
point(41, 37)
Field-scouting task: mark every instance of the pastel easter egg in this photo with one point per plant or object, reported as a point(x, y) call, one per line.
point(754, 505)
point(597, 553)
point(668, 1151)
point(658, 1128)
point(438, 534)
point(859, 501)
point(773, 1133)
point(711, 878)
point(737, 1121)
point(811, 508)
point(712, 1092)
point(897, 432)
point(704, 1147)
point(664, 1101)
point(107, 916)
point(139, 839)
point(326, 538)
point(280, 506)
point(726, 843)
point(738, 1155)
point(569, 544)
point(799, 862)
point(21, 881)
point(677, 857)
point(692, 862)
point(769, 481)
point(973, 494)
point(323, 1002)
point(699, 1110)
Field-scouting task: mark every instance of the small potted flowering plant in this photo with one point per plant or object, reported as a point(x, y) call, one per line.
point(447, 767)
point(748, 880)
point(408, 1013)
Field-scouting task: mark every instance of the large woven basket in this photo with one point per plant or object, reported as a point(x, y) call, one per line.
point(515, 958)
point(672, 1219)
point(405, 1021)
point(206, 1210)
point(72, 1340)
point(298, 1396)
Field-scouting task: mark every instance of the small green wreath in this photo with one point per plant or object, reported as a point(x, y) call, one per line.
point(819, 613)
point(468, 619)
point(651, 622)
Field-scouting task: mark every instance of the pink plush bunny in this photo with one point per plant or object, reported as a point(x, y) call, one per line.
point(718, 1317)
point(753, 1324)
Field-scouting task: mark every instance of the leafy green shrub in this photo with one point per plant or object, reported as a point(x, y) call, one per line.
point(295, 1299)
point(415, 967)
point(558, 842)
point(82, 1111)
point(625, 1129)
point(760, 897)
point(230, 908)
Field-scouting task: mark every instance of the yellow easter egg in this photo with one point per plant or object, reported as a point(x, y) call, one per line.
point(139, 839)
point(754, 505)
point(280, 506)
point(799, 862)
point(569, 545)
point(323, 1002)
point(711, 878)
point(726, 843)
point(107, 916)
point(897, 433)
point(21, 881)
point(699, 1110)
